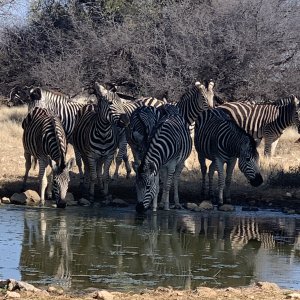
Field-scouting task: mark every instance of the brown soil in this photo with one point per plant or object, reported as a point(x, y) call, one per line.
point(261, 291)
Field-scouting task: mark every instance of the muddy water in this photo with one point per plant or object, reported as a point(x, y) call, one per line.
point(114, 248)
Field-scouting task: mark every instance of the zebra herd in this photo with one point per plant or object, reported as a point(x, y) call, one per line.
point(158, 133)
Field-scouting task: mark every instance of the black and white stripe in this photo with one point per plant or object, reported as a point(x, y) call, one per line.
point(96, 135)
point(265, 120)
point(168, 147)
point(44, 139)
point(220, 140)
point(130, 106)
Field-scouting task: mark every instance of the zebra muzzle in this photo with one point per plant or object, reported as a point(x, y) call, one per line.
point(257, 181)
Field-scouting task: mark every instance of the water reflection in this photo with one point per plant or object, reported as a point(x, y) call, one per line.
point(84, 247)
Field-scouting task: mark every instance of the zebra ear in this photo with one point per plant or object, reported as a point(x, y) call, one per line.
point(138, 138)
point(100, 90)
point(296, 101)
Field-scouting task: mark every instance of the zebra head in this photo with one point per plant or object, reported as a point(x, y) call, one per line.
point(249, 161)
point(147, 185)
point(207, 92)
point(18, 96)
point(60, 184)
point(110, 101)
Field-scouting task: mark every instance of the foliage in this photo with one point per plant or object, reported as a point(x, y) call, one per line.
point(282, 178)
point(249, 48)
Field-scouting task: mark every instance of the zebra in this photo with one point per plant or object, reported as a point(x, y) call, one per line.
point(220, 140)
point(96, 135)
point(130, 106)
point(44, 138)
point(168, 147)
point(265, 120)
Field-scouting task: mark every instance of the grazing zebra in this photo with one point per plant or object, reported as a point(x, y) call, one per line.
point(168, 147)
point(44, 139)
point(220, 140)
point(96, 135)
point(267, 120)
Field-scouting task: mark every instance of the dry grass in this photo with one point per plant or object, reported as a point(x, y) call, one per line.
point(281, 171)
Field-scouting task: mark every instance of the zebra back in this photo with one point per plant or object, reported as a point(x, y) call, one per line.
point(264, 119)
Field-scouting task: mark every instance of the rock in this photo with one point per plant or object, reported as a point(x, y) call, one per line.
point(84, 202)
point(226, 207)
point(13, 284)
point(288, 194)
point(3, 284)
point(206, 292)
point(19, 199)
point(267, 285)
point(206, 205)
point(51, 289)
point(12, 295)
point(191, 206)
point(119, 203)
point(70, 200)
point(5, 200)
point(32, 198)
point(104, 295)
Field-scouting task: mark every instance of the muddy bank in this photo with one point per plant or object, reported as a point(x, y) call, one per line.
point(12, 289)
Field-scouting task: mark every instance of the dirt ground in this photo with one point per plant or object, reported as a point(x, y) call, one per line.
point(259, 291)
point(276, 195)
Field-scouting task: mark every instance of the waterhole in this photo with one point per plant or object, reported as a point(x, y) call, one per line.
point(115, 248)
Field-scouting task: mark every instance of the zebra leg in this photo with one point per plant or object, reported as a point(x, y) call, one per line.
point(211, 171)
point(79, 165)
point(221, 180)
point(121, 153)
point(176, 177)
point(203, 172)
point(43, 163)
point(127, 164)
point(49, 185)
point(229, 171)
point(100, 174)
point(92, 178)
point(106, 177)
point(270, 146)
point(167, 185)
point(27, 168)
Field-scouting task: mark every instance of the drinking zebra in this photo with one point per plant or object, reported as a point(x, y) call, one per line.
point(96, 135)
point(44, 139)
point(220, 140)
point(265, 120)
point(168, 147)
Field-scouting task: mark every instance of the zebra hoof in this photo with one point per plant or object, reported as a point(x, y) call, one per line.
point(176, 206)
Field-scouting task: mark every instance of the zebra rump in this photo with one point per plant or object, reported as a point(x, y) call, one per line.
point(220, 140)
